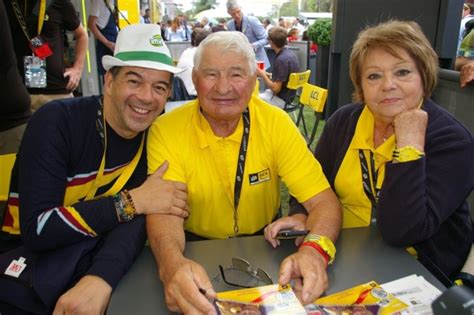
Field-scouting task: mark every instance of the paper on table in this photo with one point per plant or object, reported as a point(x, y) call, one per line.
point(414, 291)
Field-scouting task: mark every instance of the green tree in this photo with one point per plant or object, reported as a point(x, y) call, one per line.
point(289, 8)
point(202, 5)
point(317, 5)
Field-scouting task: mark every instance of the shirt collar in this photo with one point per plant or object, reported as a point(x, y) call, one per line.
point(206, 135)
point(363, 138)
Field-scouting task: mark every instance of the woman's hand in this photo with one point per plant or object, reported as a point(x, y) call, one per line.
point(410, 128)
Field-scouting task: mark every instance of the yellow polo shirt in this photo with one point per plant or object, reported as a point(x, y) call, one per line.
point(348, 181)
point(207, 164)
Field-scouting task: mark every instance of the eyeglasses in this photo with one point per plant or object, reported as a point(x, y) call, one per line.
point(241, 274)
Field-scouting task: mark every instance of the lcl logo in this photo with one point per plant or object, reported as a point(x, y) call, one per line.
point(314, 95)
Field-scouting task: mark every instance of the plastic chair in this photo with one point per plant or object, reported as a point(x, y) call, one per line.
point(6, 166)
point(314, 97)
point(296, 82)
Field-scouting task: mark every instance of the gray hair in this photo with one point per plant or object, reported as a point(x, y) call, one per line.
point(230, 41)
point(232, 4)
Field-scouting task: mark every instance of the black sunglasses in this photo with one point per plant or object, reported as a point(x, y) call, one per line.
point(241, 265)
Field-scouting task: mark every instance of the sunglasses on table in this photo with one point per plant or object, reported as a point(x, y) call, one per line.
point(243, 275)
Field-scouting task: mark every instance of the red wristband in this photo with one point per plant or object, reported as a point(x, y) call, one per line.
point(318, 248)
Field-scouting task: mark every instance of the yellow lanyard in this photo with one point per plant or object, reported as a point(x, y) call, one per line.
point(42, 14)
point(123, 178)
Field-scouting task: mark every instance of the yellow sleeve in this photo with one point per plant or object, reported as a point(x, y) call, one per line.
point(163, 145)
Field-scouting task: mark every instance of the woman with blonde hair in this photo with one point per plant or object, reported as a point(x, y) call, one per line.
point(394, 157)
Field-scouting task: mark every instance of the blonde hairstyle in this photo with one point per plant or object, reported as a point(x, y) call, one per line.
point(392, 36)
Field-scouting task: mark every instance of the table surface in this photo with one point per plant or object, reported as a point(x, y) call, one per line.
point(361, 256)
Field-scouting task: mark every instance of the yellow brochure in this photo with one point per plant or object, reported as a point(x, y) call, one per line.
point(266, 300)
point(367, 298)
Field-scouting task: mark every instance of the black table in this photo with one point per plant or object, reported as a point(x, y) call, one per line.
point(361, 256)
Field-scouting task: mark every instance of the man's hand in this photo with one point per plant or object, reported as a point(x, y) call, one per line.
point(157, 195)
point(182, 282)
point(308, 269)
point(294, 222)
point(110, 45)
point(89, 296)
point(74, 75)
point(410, 128)
point(467, 73)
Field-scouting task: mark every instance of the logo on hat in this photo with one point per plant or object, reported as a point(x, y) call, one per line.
point(156, 40)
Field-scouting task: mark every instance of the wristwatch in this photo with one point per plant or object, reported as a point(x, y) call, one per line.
point(407, 153)
point(324, 243)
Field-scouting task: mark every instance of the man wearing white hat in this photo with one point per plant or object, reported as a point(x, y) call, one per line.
point(79, 186)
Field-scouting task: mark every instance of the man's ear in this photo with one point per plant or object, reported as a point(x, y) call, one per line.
point(108, 82)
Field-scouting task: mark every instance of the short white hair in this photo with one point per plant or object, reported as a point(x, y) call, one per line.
point(229, 41)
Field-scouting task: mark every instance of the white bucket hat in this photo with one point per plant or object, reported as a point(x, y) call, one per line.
point(141, 45)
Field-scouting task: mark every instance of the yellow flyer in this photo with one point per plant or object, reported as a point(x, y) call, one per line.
point(266, 300)
point(367, 298)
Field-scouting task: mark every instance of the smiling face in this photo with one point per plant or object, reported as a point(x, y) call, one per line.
point(390, 84)
point(224, 84)
point(134, 97)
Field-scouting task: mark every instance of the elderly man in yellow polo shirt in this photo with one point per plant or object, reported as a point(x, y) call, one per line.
point(232, 149)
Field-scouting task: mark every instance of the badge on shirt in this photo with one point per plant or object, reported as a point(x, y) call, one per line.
point(40, 48)
point(16, 267)
point(35, 72)
point(260, 177)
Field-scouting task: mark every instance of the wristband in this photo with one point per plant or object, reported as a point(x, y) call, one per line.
point(318, 248)
point(407, 154)
point(324, 243)
point(124, 206)
point(129, 206)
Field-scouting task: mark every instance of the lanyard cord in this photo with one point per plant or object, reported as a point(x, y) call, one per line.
point(127, 172)
point(241, 166)
point(369, 182)
point(21, 17)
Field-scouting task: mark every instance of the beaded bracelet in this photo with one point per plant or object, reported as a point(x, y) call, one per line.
point(124, 206)
point(129, 207)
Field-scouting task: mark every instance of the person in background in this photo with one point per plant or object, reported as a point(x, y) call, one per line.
point(293, 34)
point(186, 27)
point(220, 26)
point(104, 27)
point(466, 50)
point(147, 17)
point(313, 48)
point(251, 27)
point(282, 23)
point(394, 156)
point(467, 73)
point(205, 24)
point(186, 60)
point(53, 80)
point(175, 33)
point(75, 215)
point(297, 23)
point(15, 107)
point(467, 15)
point(285, 63)
point(267, 24)
point(232, 149)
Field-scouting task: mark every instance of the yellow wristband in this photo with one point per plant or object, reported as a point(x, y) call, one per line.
point(407, 154)
point(325, 243)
